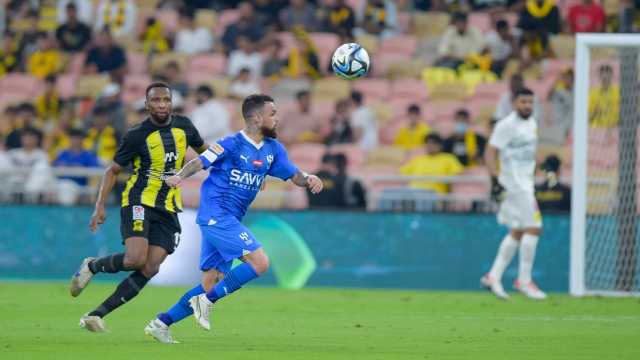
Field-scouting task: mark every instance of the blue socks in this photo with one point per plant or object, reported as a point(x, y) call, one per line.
point(181, 309)
point(233, 281)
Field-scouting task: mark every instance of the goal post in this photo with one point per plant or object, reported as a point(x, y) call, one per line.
point(605, 249)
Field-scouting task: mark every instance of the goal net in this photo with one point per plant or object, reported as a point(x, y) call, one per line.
point(605, 245)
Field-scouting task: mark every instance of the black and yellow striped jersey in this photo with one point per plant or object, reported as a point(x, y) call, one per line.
point(156, 152)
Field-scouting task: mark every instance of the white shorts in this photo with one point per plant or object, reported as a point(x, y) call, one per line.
point(519, 210)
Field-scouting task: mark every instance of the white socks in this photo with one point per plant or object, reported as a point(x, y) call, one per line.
point(528, 245)
point(506, 251)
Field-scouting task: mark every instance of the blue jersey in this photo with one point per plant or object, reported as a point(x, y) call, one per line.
point(238, 167)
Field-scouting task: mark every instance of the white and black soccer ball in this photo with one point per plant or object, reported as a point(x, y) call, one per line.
point(350, 61)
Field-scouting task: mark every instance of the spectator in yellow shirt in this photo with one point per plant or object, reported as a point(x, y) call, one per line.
point(46, 60)
point(412, 136)
point(48, 104)
point(434, 163)
point(604, 101)
point(102, 138)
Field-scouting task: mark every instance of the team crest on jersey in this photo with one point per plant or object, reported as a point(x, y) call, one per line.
point(138, 212)
point(217, 149)
point(269, 159)
point(257, 163)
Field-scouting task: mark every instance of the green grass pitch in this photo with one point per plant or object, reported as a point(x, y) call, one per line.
point(39, 320)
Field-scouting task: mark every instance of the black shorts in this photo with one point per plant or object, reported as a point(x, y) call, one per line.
point(160, 228)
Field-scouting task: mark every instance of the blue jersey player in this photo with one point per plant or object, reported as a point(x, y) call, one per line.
point(237, 165)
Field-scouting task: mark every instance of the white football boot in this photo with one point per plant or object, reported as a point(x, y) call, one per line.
point(201, 306)
point(494, 286)
point(93, 323)
point(530, 290)
point(81, 278)
point(159, 331)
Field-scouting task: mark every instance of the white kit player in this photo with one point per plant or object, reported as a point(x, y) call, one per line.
point(514, 140)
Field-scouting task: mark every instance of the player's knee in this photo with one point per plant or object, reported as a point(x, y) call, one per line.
point(150, 270)
point(260, 264)
point(135, 260)
point(534, 231)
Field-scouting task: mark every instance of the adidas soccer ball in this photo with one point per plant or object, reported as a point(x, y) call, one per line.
point(350, 61)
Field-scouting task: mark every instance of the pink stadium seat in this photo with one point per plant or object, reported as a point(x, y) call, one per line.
point(380, 64)
point(136, 62)
point(399, 106)
point(134, 86)
point(66, 85)
point(355, 155)
point(471, 189)
point(207, 65)
point(297, 198)
point(326, 44)
point(556, 66)
point(169, 19)
point(404, 21)
point(491, 91)
point(21, 84)
point(412, 89)
point(372, 89)
point(511, 17)
point(226, 18)
point(404, 45)
point(76, 64)
point(307, 152)
point(480, 20)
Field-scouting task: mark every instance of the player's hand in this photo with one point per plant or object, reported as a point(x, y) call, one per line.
point(314, 184)
point(173, 180)
point(97, 218)
point(497, 190)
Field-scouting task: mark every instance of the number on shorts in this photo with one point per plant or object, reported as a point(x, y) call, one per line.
point(176, 240)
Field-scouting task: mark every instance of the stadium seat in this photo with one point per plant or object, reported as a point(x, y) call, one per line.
point(491, 91)
point(91, 85)
point(296, 198)
point(76, 64)
point(448, 91)
point(385, 156)
point(470, 189)
point(372, 89)
point(207, 65)
point(355, 155)
point(404, 45)
point(21, 84)
point(159, 61)
point(66, 85)
point(511, 17)
point(206, 18)
point(412, 89)
point(430, 23)
point(134, 87)
point(368, 42)
point(405, 68)
point(326, 44)
point(136, 62)
point(331, 89)
point(309, 153)
point(473, 78)
point(383, 61)
point(404, 22)
point(480, 20)
point(564, 46)
point(433, 76)
point(169, 19)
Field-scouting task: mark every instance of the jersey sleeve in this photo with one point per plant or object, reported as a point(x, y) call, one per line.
point(282, 167)
point(216, 152)
point(500, 136)
point(193, 135)
point(126, 151)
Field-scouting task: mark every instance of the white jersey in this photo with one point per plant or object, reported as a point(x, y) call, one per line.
point(516, 139)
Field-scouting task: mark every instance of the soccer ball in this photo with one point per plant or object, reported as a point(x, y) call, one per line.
point(350, 61)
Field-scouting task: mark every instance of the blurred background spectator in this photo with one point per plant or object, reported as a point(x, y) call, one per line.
point(459, 42)
point(340, 130)
point(505, 104)
point(119, 15)
point(604, 99)
point(76, 156)
point(552, 195)
point(363, 123)
point(300, 124)
point(465, 143)
point(210, 116)
point(191, 38)
point(413, 135)
point(73, 35)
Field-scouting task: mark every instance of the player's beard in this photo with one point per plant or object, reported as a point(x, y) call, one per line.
point(525, 114)
point(162, 120)
point(269, 133)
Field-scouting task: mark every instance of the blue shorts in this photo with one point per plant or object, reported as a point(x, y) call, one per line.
point(223, 242)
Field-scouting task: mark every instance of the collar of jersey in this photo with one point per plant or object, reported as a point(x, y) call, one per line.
point(250, 140)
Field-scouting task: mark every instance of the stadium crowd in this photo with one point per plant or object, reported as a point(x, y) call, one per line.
point(73, 74)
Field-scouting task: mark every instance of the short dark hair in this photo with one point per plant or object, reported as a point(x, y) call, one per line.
point(253, 103)
point(302, 93)
point(327, 158)
point(433, 137)
point(205, 90)
point(458, 16)
point(523, 92)
point(30, 131)
point(157, 84)
point(188, 12)
point(502, 24)
point(463, 113)
point(75, 132)
point(414, 109)
point(172, 64)
point(552, 163)
point(71, 5)
point(51, 78)
point(605, 68)
point(100, 110)
point(26, 107)
point(356, 97)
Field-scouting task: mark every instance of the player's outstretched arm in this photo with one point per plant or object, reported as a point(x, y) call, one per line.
point(312, 182)
point(106, 185)
point(189, 169)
